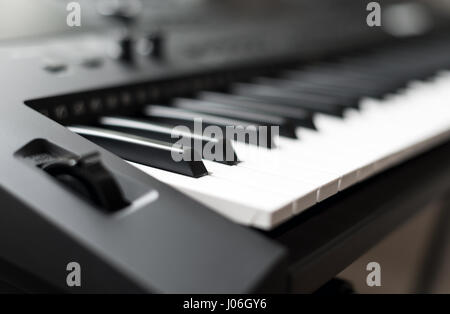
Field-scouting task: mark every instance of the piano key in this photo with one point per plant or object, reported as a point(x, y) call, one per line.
point(365, 71)
point(350, 84)
point(266, 93)
point(301, 193)
point(153, 131)
point(389, 139)
point(402, 63)
point(295, 79)
point(148, 152)
point(286, 127)
point(389, 72)
point(282, 163)
point(242, 204)
point(261, 136)
point(297, 116)
point(343, 97)
point(374, 130)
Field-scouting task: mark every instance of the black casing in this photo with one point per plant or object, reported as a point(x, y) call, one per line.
point(172, 244)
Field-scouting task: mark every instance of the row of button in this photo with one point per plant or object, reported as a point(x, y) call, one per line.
point(70, 107)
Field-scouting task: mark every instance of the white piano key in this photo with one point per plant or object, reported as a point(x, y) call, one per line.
point(243, 204)
point(283, 163)
point(302, 194)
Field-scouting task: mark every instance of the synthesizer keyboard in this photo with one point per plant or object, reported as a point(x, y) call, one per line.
point(92, 118)
point(269, 185)
point(339, 123)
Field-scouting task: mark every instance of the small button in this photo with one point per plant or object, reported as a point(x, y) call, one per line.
point(79, 108)
point(61, 112)
point(54, 66)
point(125, 97)
point(92, 62)
point(95, 104)
point(112, 101)
point(141, 96)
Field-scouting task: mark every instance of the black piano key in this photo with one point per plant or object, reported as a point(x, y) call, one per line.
point(398, 70)
point(377, 72)
point(393, 64)
point(242, 130)
point(144, 151)
point(312, 103)
point(351, 85)
point(341, 95)
point(368, 75)
point(286, 127)
point(298, 116)
point(388, 76)
point(163, 133)
point(367, 68)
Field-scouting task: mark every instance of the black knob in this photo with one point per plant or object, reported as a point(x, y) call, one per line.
point(156, 42)
point(152, 46)
point(87, 177)
point(123, 49)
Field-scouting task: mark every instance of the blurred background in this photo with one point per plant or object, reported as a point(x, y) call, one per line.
point(409, 262)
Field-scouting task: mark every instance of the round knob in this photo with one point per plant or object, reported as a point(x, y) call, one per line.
point(152, 46)
point(156, 40)
point(122, 49)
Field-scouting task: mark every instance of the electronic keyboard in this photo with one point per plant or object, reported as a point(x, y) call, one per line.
point(119, 152)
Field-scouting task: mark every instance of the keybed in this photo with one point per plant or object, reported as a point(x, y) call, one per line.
point(340, 121)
